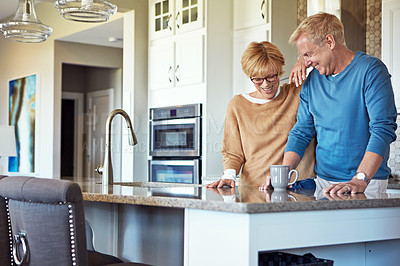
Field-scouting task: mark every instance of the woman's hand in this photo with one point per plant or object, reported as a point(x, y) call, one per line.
point(222, 182)
point(224, 191)
point(298, 73)
point(266, 185)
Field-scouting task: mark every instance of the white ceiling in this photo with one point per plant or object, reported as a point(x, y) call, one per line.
point(98, 35)
point(8, 7)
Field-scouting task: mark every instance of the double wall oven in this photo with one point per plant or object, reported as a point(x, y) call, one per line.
point(175, 144)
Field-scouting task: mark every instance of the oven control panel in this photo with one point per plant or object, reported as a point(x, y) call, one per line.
point(181, 111)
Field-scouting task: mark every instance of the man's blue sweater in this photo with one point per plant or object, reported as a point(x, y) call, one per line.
point(350, 113)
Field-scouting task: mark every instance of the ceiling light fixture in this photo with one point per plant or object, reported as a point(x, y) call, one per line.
point(86, 10)
point(25, 26)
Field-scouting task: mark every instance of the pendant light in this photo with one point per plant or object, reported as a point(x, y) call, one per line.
point(85, 10)
point(25, 26)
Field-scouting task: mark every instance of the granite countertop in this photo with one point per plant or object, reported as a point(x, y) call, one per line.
point(242, 199)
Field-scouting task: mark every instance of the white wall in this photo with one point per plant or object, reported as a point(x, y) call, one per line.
point(218, 90)
point(20, 59)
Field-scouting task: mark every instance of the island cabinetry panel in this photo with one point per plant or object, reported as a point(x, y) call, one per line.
point(348, 237)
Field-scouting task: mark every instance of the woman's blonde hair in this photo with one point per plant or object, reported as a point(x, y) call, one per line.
point(260, 57)
point(316, 27)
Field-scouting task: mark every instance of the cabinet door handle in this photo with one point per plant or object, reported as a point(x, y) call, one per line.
point(176, 20)
point(169, 24)
point(176, 76)
point(169, 74)
point(262, 9)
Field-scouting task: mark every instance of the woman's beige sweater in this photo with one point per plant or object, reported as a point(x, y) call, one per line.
point(255, 136)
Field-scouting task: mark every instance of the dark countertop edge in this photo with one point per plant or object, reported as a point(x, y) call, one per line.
point(238, 207)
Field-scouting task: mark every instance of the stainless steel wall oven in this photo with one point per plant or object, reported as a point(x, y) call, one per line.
point(175, 144)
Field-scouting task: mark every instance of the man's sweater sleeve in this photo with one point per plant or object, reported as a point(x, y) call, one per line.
point(303, 131)
point(379, 100)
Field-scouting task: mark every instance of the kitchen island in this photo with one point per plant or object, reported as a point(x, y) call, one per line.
point(178, 224)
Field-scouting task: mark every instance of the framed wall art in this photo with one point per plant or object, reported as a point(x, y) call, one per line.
point(22, 115)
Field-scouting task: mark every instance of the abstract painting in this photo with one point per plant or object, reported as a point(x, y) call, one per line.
point(22, 112)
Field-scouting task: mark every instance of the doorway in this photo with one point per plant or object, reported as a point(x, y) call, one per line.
point(71, 135)
point(88, 89)
point(99, 105)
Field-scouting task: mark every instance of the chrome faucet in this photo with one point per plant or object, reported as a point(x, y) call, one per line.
point(106, 169)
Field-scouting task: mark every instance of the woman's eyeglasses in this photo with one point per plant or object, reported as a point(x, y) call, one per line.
point(269, 79)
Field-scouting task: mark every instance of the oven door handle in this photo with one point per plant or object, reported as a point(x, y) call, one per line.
point(173, 162)
point(184, 121)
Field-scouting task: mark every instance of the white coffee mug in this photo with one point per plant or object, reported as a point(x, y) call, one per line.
point(282, 196)
point(280, 176)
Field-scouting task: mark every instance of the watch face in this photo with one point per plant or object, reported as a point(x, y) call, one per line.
point(361, 176)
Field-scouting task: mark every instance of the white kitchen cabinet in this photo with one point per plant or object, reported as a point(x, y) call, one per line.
point(250, 13)
point(169, 17)
point(241, 83)
point(189, 15)
point(161, 18)
point(276, 26)
point(176, 63)
point(161, 65)
point(391, 43)
point(194, 65)
point(189, 60)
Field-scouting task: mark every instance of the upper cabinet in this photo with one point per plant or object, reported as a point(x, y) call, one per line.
point(188, 15)
point(262, 20)
point(176, 63)
point(161, 18)
point(250, 13)
point(169, 17)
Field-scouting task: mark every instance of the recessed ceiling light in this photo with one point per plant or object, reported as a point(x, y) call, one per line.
point(115, 39)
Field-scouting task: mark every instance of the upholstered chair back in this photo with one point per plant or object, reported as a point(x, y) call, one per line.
point(44, 219)
point(5, 252)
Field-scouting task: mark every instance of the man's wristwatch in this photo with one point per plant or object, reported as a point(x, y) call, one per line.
point(363, 177)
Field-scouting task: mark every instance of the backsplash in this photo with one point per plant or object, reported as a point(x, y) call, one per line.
point(394, 156)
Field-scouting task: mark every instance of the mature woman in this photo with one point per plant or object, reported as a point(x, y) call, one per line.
point(257, 124)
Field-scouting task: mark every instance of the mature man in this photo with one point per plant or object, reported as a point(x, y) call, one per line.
point(347, 102)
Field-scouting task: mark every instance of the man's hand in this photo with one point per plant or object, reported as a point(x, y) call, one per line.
point(338, 197)
point(353, 186)
point(222, 182)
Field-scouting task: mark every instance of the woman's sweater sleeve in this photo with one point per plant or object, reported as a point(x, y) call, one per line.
point(232, 149)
